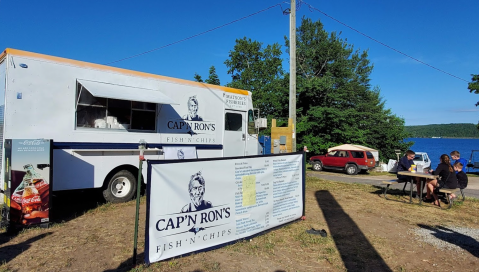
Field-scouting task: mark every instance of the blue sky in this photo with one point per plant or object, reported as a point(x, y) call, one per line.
point(440, 33)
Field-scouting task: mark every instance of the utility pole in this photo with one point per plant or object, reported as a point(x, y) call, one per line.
point(292, 70)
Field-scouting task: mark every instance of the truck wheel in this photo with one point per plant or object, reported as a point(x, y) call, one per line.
point(121, 187)
point(351, 169)
point(317, 166)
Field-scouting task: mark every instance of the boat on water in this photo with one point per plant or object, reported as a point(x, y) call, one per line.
point(436, 137)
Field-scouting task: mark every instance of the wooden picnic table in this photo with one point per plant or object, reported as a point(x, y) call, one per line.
point(417, 174)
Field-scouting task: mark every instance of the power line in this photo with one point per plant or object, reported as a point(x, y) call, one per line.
point(196, 35)
point(381, 43)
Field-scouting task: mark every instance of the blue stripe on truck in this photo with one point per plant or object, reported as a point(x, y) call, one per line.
point(84, 145)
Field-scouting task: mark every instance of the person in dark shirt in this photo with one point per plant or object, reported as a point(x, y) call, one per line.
point(462, 179)
point(404, 164)
point(447, 178)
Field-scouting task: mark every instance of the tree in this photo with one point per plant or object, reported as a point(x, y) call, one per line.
point(213, 77)
point(335, 103)
point(259, 69)
point(198, 78)
point(474, 87)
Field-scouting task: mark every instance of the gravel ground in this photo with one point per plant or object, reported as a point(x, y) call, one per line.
point(458, 239)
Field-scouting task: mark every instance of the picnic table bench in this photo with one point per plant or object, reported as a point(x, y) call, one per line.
point(395, 181)
point(448, 192)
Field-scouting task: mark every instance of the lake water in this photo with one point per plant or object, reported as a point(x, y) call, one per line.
point(435, 147)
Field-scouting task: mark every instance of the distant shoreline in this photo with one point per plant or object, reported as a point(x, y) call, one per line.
point(452, 131)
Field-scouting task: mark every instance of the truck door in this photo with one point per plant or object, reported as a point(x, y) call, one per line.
point(235, 134)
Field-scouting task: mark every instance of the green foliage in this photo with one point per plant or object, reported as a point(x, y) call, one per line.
point(213, 77)
point(335, 102)
point(259, 69)
point(444, 130)
point(198, 78)
point(474, 87)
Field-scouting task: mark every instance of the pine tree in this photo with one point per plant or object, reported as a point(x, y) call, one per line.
point(213, 77)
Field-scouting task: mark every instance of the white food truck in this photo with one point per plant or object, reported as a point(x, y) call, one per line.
point(96, 116)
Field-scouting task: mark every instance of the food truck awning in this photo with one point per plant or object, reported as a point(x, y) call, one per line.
point(108, 90)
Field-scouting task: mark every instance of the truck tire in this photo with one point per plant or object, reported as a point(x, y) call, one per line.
point(317, 166)
point(351, 169)
point(121, 187)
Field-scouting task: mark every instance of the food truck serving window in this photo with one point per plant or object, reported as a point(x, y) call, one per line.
point(107, 106)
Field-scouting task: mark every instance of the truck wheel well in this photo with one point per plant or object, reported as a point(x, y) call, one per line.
point(132, 169)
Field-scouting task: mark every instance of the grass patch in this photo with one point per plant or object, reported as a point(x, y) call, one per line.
point(363, 211)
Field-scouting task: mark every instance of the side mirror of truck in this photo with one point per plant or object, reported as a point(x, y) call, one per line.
point(261, 123)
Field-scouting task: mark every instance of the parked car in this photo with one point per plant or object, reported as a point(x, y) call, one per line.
point(422, 159)
point(351, 161)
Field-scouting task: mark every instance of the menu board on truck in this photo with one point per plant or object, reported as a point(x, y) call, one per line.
point(28, 165)
point(196, 204)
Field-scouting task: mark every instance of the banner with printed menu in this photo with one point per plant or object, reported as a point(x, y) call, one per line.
point(197, 204)
point(28, 165)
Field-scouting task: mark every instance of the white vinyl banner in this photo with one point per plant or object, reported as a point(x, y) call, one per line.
point(194, 205)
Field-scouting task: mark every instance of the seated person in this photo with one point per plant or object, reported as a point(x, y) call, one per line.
point(404, 164)
point(447, 179)
point(456, 156)
point(462, 179)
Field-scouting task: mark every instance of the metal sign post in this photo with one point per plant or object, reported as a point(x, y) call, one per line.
point(142, 148)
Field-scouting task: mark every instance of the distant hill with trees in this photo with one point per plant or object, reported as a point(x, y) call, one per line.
point(444, 130)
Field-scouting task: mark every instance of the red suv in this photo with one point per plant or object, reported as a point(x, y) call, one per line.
point(351, 161)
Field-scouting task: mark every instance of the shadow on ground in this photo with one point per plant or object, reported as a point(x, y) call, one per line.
point(404, 193)
point(67, 205)
point(128, 264)
point(453, 237)
point(355, 250)
point(8, 253)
